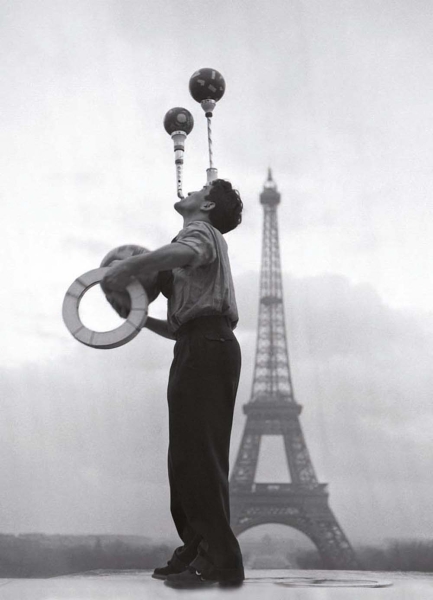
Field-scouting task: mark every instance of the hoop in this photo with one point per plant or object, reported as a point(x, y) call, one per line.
point(103, 339)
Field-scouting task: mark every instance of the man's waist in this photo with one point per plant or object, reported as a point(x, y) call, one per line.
point(204, 322)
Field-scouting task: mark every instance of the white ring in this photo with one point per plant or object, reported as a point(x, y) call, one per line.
point(104, 339)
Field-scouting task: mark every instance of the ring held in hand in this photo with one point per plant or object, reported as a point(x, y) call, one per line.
point(103, 339)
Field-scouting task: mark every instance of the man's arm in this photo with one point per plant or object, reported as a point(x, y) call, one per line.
point(165, 258)
point(160, 327)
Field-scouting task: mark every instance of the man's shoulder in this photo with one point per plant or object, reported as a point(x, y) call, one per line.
point(202, 228)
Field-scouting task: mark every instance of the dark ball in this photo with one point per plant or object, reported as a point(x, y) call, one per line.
point(178, 119)
point(207, 84)
point(121, 301)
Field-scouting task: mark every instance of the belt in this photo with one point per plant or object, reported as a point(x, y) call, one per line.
point(205, 321)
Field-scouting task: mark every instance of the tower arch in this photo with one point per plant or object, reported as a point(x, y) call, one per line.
point(278, 546)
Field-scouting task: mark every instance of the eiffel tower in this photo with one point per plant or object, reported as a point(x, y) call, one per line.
point(273, 410)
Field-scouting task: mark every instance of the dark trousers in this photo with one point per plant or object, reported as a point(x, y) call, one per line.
point(202, 390)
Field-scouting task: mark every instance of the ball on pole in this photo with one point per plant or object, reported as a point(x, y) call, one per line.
point(207, 84)
point(178, 119)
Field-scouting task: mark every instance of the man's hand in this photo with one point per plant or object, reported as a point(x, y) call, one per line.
point(160, 327)
point(120, 301)
point(118, 277)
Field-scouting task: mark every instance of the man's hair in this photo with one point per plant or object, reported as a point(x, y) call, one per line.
point(227, 212)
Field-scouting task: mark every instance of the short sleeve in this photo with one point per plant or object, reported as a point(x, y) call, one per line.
point(199, 238)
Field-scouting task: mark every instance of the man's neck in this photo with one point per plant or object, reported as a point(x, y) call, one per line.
point(195, 217)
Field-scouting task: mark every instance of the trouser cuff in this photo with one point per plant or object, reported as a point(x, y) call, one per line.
point(185, 555)
point(177, 562)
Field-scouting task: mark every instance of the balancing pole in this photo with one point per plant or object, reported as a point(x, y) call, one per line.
point(178, 123)
point(207, 87)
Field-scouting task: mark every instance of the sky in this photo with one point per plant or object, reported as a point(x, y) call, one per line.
point(336, 97)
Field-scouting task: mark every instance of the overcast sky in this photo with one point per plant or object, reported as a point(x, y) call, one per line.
point(335, 96)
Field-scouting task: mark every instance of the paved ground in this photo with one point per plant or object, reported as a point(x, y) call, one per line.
point(259, 585)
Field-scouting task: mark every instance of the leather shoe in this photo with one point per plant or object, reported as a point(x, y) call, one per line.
point(192, 579)
point(174, 567)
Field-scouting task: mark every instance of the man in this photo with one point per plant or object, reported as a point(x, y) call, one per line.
point(203, 382)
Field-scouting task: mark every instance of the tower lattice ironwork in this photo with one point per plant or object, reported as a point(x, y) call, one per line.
point(273, 410)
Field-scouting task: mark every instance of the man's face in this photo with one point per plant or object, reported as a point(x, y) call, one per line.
point(192, 202)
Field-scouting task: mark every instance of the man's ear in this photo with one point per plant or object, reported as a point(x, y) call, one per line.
point(207, 205)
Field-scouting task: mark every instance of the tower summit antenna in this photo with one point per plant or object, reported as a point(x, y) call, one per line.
point(270, 176)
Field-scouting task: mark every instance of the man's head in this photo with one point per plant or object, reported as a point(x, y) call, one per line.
point(218, 204)
point(227, 212)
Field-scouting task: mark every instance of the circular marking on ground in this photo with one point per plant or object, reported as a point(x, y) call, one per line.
point(343, 582)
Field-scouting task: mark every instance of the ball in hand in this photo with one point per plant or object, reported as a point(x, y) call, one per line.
point(120, 301)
